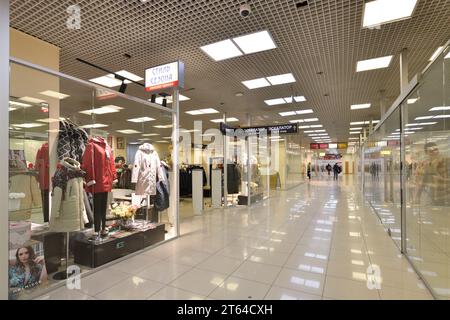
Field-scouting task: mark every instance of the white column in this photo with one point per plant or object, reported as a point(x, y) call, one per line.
point(175, 190)
point(4, 143)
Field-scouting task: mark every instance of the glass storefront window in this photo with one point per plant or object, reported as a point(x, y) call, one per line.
point(89, 178)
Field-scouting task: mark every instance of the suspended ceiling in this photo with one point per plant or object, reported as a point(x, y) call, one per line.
point(319, 43)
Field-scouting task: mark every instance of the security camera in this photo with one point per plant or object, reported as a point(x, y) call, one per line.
point(245, 10)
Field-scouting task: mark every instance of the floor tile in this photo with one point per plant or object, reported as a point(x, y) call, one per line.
point(234, 288)
point(171, 293)
point(390, 293)
point(164, 271)
point(307, 282)
point(132, 288)
point(221, 264)
point(135, 264)
point(306, 263)
point(257, 272)
point(188, 257)
point(102, 280)
point(199, 281)
point(279, 293)
point(269, 257)
point(344, 289)
point(65, 294)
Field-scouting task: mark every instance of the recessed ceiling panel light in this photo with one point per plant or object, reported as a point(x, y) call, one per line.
point(442, 116)
point(354, 132)
point(202, 111)
point(304, 127)
point(316, 126)
point(311, 120)
point(306, 111)
point(228, 120)
point(256, 83)
point(372, 64)
point(107, 81)
point(255, 42)
point(12, 109)
point(50, 120)
point(287, 113)
point(424, 118)
point(411, 101)
point(436, 53)
point(140, 120)
point(102, 110)
point(129, 75)
point(356, 123)
point(323, 130)
point(443, 108)
point(274, 102)
point(162, 141)
point(356, 128)
point(159, 126)
point(447, 56)
point(19, 104)
point(94, 126)
point(385, 11)
point(281, 79)
point(360, 106)
point(128, 131)
point(150, 134)
point(32, 100)
point(28, 125)
point(54, 94)
point(222, 50)
point(297, 121)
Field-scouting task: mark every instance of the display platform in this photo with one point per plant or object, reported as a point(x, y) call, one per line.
point(94, 253)
point(243, 200)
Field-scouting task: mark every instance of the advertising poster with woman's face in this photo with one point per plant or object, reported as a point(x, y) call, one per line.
point(26, 269)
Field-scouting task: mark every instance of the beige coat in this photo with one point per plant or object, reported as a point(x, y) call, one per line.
point(27, 184)
point(69, 214)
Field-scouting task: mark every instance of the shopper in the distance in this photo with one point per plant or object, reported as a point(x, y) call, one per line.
point(329, 168)
point(308, 171)
point(336, 171)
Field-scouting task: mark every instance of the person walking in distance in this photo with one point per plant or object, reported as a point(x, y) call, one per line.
point(336, 171)
point(308, 171)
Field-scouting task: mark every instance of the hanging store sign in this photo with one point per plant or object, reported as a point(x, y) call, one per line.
point(256, 131)
point(314, 146)
point(166, 76)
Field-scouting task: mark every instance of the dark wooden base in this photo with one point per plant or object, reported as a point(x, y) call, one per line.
point(243, 200)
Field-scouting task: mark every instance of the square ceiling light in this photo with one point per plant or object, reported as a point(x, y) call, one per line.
point(129, 75)
point(372, 64)
point(54, 94)
point(228, 120)
point(287, 113)
point(274, 102)
point(357, 123)
point(316, 126)
point(19, 104)
point(150, 134)
point(424, 118)
point(107, 81)
point(202, 111)
point(281, 79)
point(386, 11)
point(140, 120)
point(128, 131)
point(436, 53)
point(311, 120)
point(160, 126)
point(255, 42)
point(360, 106)
point(256, 83)
point(94, 126)
point(443, 108)
point(354, 132)
point(102, 110)
point(412, 100)
point(169, 99)
point(28, 125)
point(222, 50)
point(356, 128)
point(32, 100)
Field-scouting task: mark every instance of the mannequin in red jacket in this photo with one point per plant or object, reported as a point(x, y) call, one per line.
point(42, 166)
point(98, 163)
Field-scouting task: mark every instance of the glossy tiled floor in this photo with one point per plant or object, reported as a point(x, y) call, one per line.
point(315, 241)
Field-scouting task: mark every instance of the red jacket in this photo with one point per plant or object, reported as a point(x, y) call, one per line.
point(42, 166)
point(98, 162)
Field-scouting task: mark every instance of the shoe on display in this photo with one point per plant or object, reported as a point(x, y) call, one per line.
point(104, 233)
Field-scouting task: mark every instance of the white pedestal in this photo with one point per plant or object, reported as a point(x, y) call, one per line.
point(216, 188)
point(197, 191)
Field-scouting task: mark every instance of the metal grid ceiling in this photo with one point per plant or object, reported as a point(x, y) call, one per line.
point(324, 37)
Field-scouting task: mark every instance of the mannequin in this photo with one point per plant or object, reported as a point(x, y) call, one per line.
point(145, 173)
point(42, 166)
point(98, 162)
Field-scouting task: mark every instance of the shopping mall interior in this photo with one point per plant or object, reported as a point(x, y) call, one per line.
point(225, 150)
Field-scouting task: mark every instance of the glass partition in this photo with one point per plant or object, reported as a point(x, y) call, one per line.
point(427, 176)
point(406, 170)
point(89, 178)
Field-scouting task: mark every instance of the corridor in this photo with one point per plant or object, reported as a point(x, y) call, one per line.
point(315, 241)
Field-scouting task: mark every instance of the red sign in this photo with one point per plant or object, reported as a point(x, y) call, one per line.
point(323, 145)
point(162, 86)
point(313, 146)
